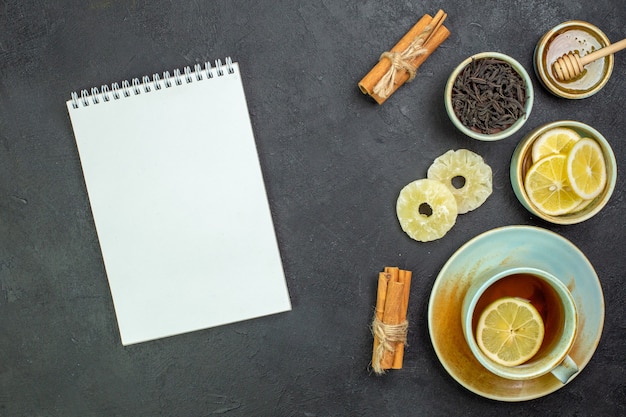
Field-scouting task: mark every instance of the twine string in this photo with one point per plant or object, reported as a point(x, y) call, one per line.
point(402, 61)
point(387, 335)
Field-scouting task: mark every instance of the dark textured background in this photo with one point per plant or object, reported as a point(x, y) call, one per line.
point(334, 163)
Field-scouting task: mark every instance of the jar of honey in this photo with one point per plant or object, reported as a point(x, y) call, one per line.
point(581, 38)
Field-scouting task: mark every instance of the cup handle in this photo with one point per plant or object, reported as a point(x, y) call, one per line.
point(565, 370)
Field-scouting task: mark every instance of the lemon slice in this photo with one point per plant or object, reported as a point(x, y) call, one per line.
point(426, 210)
point(466, 175)
point(583, 205)
point(510, 331)
point(554, 141)
point(548, 187)
point(586, 169)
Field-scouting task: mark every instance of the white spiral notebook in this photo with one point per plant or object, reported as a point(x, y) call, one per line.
point(179, 203)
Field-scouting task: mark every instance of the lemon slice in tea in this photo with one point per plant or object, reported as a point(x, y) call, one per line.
point(554, 141)
point(586, 168)
point(548, 187)
point(426, 210)
point(510, 331)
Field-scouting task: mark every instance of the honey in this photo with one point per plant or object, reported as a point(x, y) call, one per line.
point(581, 42)
point(577, 37)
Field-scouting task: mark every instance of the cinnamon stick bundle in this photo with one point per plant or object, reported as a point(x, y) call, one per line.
point(399, 65)
point(390, 325)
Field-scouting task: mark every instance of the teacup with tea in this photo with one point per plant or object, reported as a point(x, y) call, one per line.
point(520, 323)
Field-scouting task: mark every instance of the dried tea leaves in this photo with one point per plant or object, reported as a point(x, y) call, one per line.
point(488, 96)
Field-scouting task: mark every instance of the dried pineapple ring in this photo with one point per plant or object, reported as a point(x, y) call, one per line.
point(426, 210)
point(466, 175)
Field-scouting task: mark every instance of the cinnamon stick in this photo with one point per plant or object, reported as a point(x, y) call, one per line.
point(392, 316)
point(405, 278)
point(390, 323)
point(381, 298)
point(432, 33)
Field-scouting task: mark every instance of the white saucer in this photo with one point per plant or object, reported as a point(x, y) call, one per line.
point(503, 248)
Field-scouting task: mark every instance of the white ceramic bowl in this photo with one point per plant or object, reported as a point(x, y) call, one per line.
point(511, 129)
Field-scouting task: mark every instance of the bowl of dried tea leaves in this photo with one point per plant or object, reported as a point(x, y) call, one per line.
point(489, 96)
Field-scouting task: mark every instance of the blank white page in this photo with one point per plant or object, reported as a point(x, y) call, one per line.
point(179, 204)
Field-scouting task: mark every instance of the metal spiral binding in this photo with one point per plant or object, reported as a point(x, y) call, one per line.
point(146, 84)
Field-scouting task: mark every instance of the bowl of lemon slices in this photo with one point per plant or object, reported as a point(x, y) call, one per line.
point(563, 172)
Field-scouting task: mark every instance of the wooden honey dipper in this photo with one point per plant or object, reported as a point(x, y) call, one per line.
point(571, 65)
